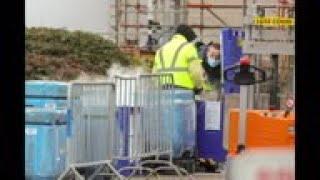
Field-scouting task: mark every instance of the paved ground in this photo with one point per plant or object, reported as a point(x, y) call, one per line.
point(195, 177)
point(219, 176)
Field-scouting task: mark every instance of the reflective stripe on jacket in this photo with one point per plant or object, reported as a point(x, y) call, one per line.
point(175, 57)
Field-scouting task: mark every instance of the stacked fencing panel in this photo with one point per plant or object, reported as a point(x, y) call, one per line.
point(155, 101)
point(145, 124)
point(120, 126)
point(92, 106)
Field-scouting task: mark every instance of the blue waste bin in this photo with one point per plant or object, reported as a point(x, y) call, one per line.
point(46, 94)
point(45, 143)
point(45, 128)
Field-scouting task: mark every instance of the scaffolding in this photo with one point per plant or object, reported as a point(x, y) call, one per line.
point(137, 22)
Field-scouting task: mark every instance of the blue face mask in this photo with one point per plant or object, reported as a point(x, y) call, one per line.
point(213, 62)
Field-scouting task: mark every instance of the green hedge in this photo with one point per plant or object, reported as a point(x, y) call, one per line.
point(61, 55)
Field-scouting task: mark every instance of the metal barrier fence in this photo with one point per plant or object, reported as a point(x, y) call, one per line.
point(144, 125)
point(144, 117)
point(129, 120)
point(90, 144)
point(92, 117)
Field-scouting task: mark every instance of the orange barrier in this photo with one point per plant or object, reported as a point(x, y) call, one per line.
point(264, 129)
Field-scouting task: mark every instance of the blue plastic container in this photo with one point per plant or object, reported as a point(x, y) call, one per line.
point(231, 54)
point(183, 134)
point(46, 93)
point(40, 116)
point(46, 102)
point(209, 142)
point(46, 88)
point(45, 151)
point(45, 142)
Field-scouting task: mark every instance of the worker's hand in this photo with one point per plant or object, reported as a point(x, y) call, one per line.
point(207, 87)
point(197, 91)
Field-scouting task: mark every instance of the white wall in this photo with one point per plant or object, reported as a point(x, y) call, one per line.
point(86, 15)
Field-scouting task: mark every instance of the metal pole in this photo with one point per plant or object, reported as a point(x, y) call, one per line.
point(116, 9)
point(294, 81)
point(125, 19)
point(185, 12)
point(251, 98)
point(274, 91)
point(222, 99)
point(218, 18)
point(257, 86)
point(244, 8)
point(201, 20)
point(138, 22)
point(150, 10)
point(176, 12)
point(243, 115)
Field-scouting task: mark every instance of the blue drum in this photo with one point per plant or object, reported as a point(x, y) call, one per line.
point(184, 116)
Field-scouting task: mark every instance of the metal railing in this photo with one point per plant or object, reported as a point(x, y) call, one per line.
point(129, 120)
point(145, 127)
point(91, 141)
point(142, 129)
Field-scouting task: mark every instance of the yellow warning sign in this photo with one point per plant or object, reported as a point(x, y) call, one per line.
point(274, 21)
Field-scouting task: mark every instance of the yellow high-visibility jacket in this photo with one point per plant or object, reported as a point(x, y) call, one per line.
point(180, 58)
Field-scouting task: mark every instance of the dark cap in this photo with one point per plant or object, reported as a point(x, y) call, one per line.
point(186, 31)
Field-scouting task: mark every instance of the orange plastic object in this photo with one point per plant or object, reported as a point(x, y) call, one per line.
point(264, 129)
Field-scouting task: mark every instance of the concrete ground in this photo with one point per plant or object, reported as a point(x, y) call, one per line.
point(211, 176)
point(202, 176)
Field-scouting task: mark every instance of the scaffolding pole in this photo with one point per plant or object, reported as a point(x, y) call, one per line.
point(130, 28)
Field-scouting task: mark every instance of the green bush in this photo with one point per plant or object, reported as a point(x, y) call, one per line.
point(62, 55)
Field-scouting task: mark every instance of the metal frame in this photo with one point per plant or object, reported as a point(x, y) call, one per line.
point(147, 99)
point(258, 41)
point(151, 134)
point(103, 168)
point(91, 142)
point(262, 40)
point(92, 108)
point(159, 11)
point(144, 95)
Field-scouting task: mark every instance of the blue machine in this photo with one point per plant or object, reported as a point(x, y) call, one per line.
point(210, 141)
point(45, 129)
point(231, 54)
